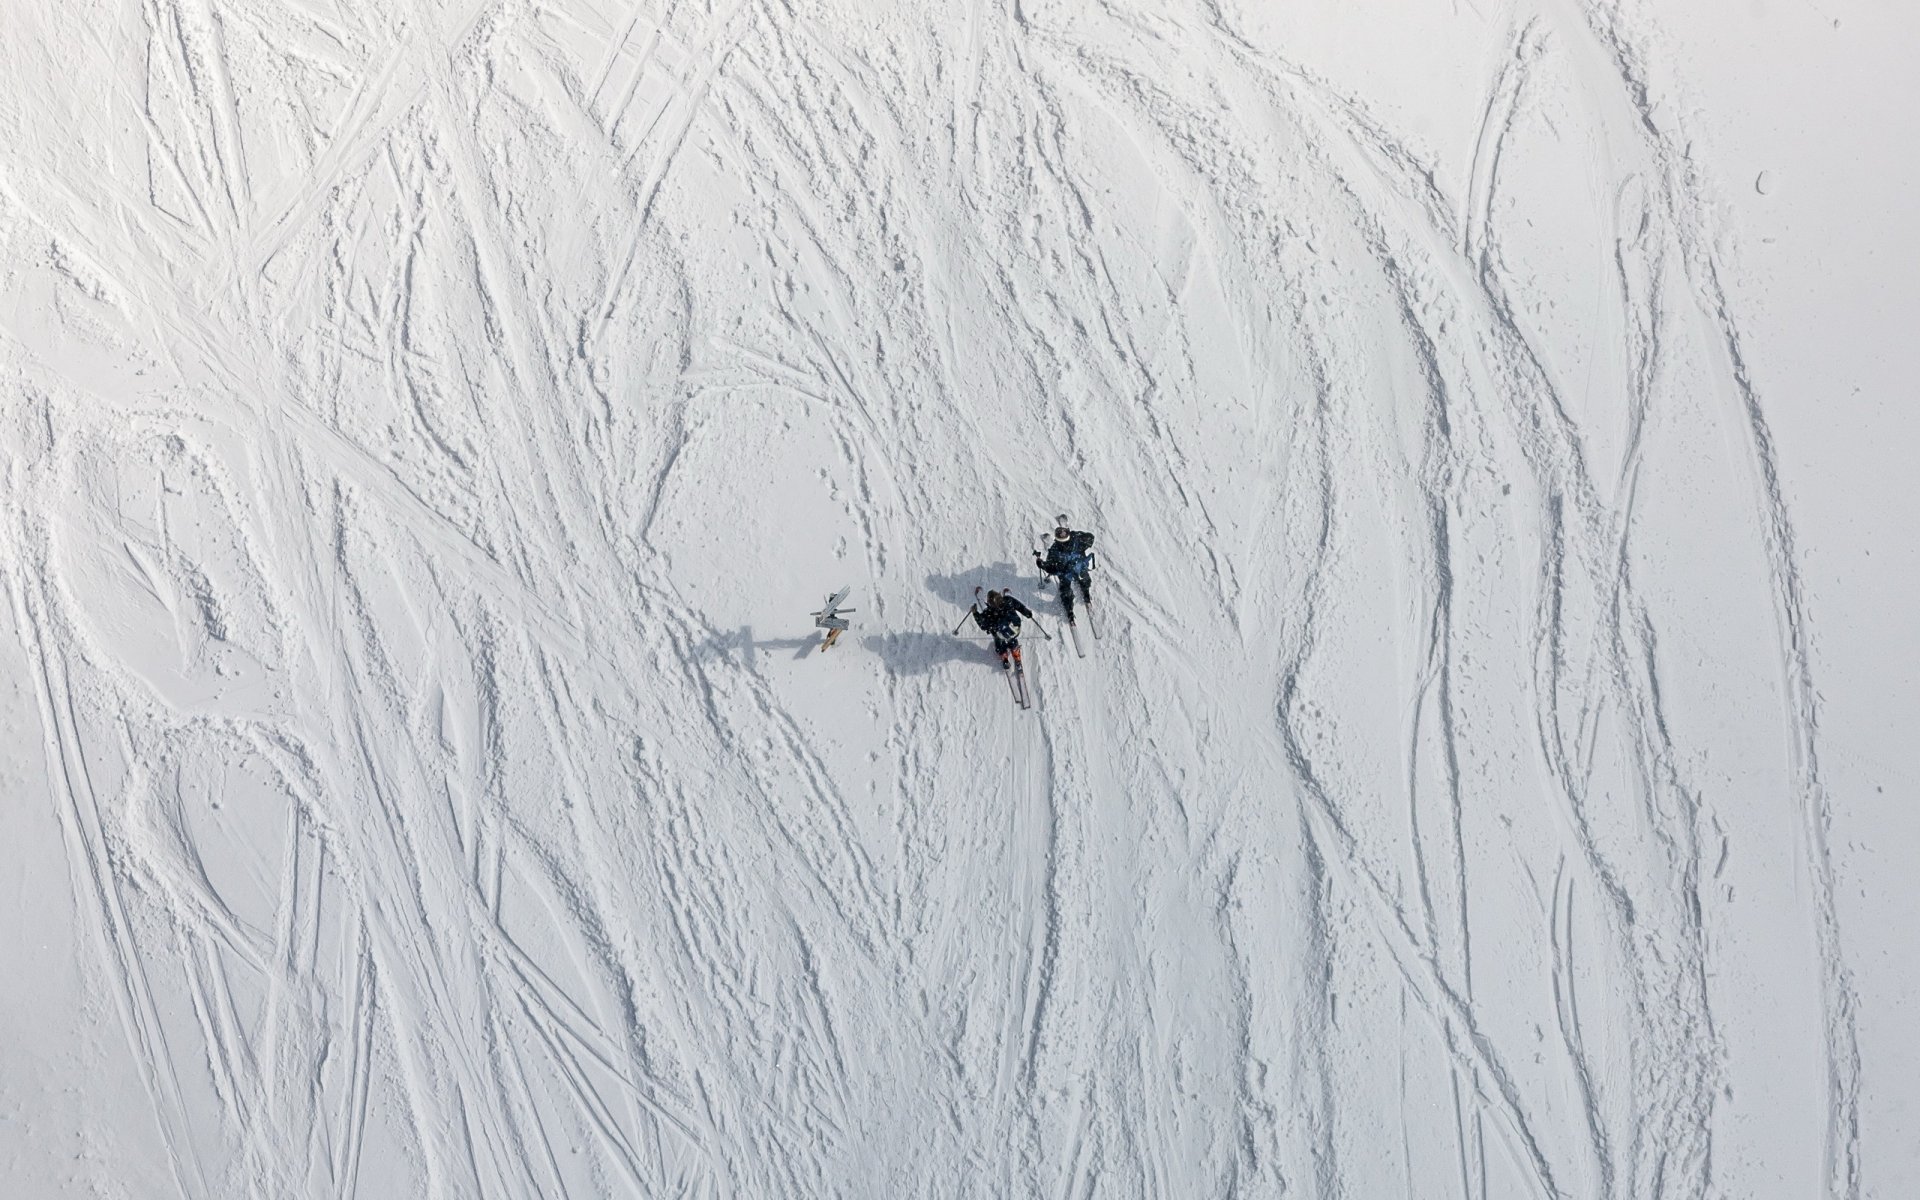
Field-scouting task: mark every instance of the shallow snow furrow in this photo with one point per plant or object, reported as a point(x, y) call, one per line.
point(1451, 1012)
point(1433, 369)
point(469, 392)
point(1681, 191)
point(355, 1096)
point(132, 990)
point(691, 95)
point(1572, 1035)
point(1563, 450)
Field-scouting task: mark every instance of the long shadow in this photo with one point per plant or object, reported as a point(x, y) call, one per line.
point(1041, 595)
point(909, 653)
point(957, 589)
point(970, 645)
point(742, 645)
point(918, 653)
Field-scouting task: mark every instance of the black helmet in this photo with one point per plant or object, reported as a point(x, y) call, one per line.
point(1062, 534)
point(992, 596)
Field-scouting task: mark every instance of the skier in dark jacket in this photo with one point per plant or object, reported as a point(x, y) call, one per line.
point(1000, 616)
point(1070, 560)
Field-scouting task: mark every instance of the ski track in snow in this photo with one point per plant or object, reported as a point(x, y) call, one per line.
point(394, 402)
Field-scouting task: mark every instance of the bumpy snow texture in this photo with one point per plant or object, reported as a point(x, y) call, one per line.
point(427, 429)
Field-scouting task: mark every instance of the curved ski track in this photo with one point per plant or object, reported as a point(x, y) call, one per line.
point(435, 839)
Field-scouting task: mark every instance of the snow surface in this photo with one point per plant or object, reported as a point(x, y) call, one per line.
point(424, 431)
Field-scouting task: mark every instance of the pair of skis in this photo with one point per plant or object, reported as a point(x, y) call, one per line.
point(1016, 672)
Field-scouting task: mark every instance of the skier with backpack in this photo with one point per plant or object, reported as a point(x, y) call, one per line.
point(1070, 561)
point(999, 615)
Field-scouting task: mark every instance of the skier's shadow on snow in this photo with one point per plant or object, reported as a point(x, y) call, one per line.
point(918, 653)
point(1042, 596)
point(958, 589)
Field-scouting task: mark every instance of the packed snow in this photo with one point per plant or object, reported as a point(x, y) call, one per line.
point(426, 430)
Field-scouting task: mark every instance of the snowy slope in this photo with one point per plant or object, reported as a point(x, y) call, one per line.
point(424, 430)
